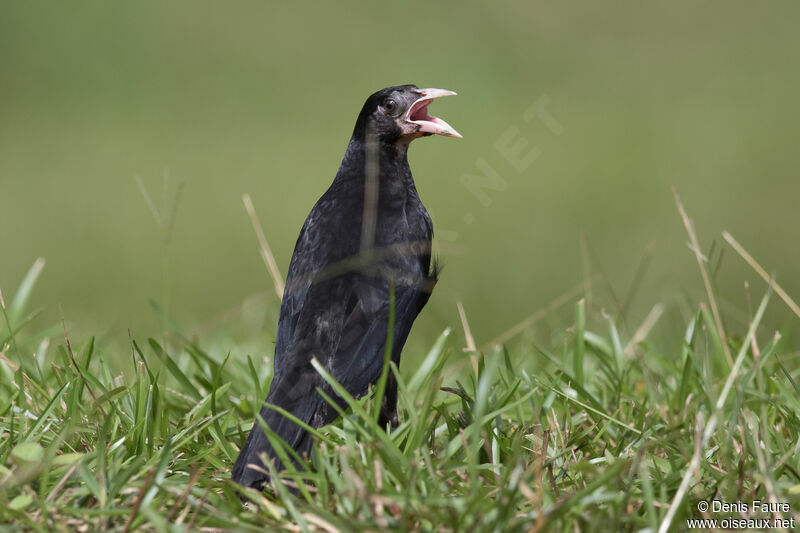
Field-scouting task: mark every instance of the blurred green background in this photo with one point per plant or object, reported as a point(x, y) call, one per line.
point(258, 97)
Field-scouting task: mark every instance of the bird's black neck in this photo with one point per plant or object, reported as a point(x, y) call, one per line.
point(392, 161)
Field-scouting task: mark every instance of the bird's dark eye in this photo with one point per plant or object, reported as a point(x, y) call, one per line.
point(389, 106)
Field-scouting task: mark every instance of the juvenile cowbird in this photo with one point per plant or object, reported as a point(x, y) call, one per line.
point(367, 236)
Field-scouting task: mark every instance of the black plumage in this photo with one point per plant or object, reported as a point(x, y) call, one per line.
point(367, 233)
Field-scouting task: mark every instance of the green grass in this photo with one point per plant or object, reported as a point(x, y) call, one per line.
point(594, 430)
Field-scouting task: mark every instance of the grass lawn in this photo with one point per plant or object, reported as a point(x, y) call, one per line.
point(601, 427)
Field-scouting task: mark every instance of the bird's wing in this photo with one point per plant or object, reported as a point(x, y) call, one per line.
point(358, 358)
point(343, 322)
point(306, 264)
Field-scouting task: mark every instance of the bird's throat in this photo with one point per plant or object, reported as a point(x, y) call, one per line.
point(391, 163)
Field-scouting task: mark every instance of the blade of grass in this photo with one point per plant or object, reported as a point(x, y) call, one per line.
point(761, 272)
point(266, 251)
point(701, 263)
point(711, 426)
point(580, 326)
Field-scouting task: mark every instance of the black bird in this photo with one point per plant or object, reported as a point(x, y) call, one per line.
point(368, 233)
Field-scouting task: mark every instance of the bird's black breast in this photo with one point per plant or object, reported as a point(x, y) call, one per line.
point(336, 302)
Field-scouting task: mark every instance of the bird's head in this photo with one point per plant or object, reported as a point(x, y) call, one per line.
point(400, 114)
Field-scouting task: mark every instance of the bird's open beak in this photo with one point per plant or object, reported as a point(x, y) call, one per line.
point(417, 120)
